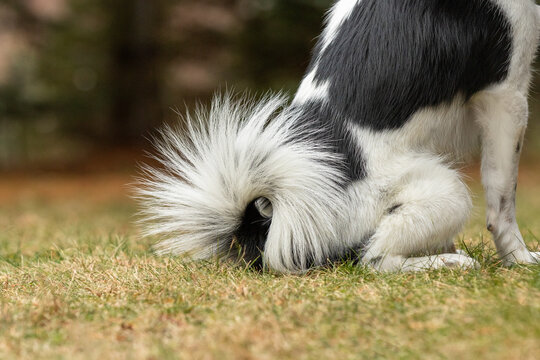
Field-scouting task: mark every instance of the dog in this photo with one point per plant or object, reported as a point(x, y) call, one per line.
point(363, 160)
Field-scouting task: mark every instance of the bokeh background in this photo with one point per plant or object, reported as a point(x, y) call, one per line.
point(85, 83)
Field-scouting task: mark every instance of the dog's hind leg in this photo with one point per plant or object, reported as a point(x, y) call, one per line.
point(429, 206)
point(502, 114)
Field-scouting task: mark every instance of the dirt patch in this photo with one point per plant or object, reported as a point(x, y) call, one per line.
point(88, 187)
point(103, 176)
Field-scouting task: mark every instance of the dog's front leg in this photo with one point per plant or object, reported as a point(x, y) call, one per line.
point(429, 206)
point(502, 115)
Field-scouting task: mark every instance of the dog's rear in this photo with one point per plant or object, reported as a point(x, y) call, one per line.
point(361, 159)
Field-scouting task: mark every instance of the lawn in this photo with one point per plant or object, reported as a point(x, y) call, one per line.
point(76, 281)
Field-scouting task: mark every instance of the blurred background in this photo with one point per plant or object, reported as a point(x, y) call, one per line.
point(84, 83)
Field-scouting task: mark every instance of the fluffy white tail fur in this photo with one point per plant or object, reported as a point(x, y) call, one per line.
point(226, 158)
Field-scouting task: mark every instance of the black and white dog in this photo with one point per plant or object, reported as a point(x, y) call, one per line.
point(362, 160)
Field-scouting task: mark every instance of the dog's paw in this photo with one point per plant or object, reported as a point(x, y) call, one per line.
point(522, 257)
point(459, 260)
point(453, 261)
point(461, 252)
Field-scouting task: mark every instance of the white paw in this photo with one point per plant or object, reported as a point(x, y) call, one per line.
point(456, 261)
point(522, 257)
point(461, 252)
point(459, 260)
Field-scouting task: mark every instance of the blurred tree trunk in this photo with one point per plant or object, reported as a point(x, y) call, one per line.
point(135, 103)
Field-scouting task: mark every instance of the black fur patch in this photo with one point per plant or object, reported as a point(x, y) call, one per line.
point(333, 132)
point(392, 58)
point(393, 209)
point(250, 238)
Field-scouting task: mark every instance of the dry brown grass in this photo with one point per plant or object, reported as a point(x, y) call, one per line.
point(77, 282)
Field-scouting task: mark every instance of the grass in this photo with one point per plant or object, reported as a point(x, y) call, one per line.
point(77, 282)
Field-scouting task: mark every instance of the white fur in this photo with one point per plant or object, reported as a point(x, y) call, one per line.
point(229, 157)
point(311, 90)
point(434, 206)
point(525, 21)
point(400, 263)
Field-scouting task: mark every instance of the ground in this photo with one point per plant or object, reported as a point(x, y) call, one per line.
point(77, 282)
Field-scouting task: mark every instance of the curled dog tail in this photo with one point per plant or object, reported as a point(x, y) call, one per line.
point(244, 180)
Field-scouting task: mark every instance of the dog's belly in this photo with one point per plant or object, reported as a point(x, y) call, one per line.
point(448, 130)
